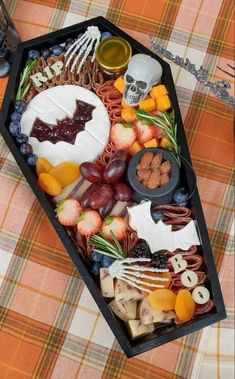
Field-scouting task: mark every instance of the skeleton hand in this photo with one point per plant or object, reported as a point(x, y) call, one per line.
point(124, 270)
point(83, 46)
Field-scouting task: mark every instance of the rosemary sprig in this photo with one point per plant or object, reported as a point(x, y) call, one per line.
point(105, 247)
point(166, 122)
point(24, 76)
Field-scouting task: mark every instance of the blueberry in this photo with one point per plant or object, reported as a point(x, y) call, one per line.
point(96, 257)
point(20, 106)
point(45, 53)
point(57, 50)
point(180, 196)
point(68, 43)
point(14, 128)
point(31, 160)
point(21, 138)
point(107, 261)
point(4, 67)
point(157, 215)
point(26, 149)
point(105, 35)
point(16, 116)
point(95, 269)
point(33, 54)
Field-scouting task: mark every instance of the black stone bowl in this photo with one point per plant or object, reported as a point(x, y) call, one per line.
point(162, 195)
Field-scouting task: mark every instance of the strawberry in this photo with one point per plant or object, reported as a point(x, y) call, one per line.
point(115, 225)
point(68, 212)
point(89, 222)
point(145, 132)
point(123, 135)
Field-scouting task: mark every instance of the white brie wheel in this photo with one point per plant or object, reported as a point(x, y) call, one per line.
point(55, 104)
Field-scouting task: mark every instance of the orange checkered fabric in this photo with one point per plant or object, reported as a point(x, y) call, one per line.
point(50, 327)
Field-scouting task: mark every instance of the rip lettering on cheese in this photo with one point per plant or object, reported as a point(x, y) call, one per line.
point(38, 78)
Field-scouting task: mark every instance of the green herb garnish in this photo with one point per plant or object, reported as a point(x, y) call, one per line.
point(166, 122)
point(105, 247)
point(24, 76)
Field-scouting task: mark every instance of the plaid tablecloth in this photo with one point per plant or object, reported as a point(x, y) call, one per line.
point(49, 325)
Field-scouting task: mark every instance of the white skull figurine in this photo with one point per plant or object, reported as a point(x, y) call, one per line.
point(142, 73)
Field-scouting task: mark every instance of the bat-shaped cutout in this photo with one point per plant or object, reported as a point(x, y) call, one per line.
point(160, 236)
point(66, 129)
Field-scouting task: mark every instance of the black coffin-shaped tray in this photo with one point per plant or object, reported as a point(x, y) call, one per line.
point(162, 335)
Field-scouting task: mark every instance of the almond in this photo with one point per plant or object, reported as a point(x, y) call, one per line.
point(165, 167)
point(146, 160)
point(156, 162)
point(143, 174)
point(164, 179)
point(154, 180)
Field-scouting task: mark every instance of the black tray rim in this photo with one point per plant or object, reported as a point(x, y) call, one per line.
point(69, 245)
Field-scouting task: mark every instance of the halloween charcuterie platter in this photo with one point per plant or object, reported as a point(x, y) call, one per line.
point(92, 119)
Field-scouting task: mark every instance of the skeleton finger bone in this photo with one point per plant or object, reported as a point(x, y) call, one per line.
point(135, 280)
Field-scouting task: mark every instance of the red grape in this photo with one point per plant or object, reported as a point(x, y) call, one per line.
point(124, 155)
point(114, 171)
point(92, 172)
point(107, 207)
point(123, 192)
point(101, 196)
point(87, 195)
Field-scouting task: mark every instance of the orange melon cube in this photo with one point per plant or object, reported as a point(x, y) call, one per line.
point(119, 84)
point(135, 148)
point(158, 91)
point(163, 103)
point(151, 143)
point(128, 114)
point(166, 144)
point(147, 105)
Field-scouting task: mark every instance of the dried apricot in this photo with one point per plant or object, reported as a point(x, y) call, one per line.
point(162, 299)
point(49, 184)
point(65, 173)
point(184, 305)
point(166, 283)
point(42, 165)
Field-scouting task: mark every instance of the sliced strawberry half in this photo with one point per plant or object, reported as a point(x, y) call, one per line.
point(145, 132)
point(115, 225)
point(123, 135)
point(89, 223)
point(68, 212)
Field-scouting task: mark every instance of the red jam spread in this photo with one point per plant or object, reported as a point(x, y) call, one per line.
point(65, 130)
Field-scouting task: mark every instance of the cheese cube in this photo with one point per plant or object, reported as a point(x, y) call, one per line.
point(147, 105)
point(125, 311)
point(119, 84)
point(128, 114)
point(135, 148)
point(163, 103)
point(148, 315)
point(125, 292)
point(106, 283)
point(158, 91)
point(136, 329)
point(151, 143)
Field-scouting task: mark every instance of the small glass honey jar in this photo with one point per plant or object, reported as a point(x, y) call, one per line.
point(113, 55)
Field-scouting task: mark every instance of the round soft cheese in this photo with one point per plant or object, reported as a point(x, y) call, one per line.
point(55, 104)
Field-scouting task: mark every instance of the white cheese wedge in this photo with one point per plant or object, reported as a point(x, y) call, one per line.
point(136, 329)
point(148, 315)
point(160, 236)
point(125, 311)
point(126, 292)
point(55, 104)
point(106, 283)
